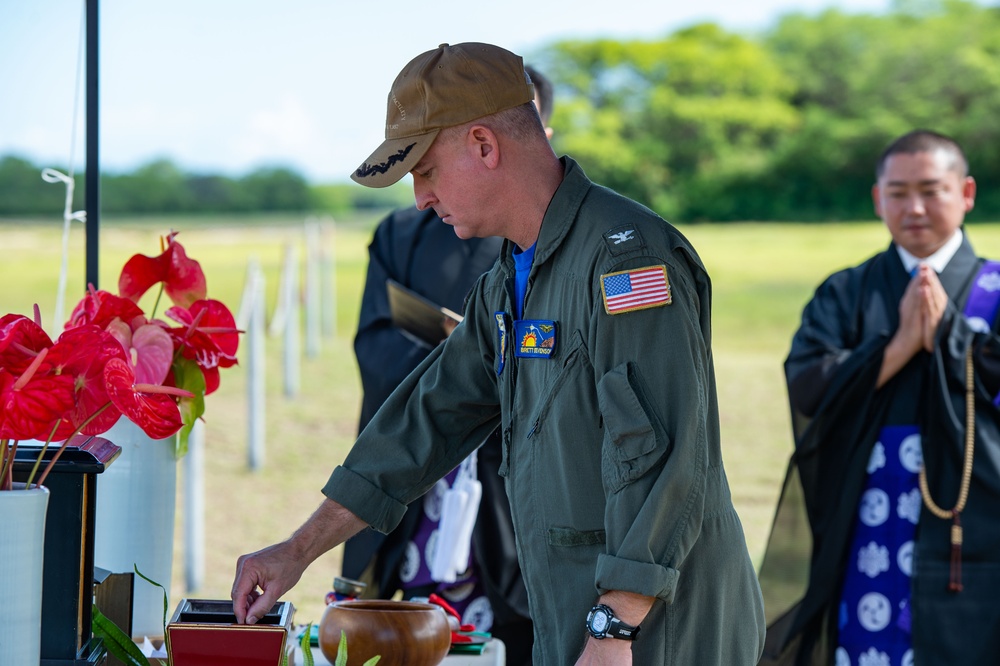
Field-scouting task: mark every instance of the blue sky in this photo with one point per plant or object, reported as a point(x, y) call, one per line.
point(230, 85)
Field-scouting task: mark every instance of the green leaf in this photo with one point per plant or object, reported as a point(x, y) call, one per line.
point(342, 653)
point(342, 650)
point(153, 582)
point(188, 376)
point(307, 653)
point(117, 643)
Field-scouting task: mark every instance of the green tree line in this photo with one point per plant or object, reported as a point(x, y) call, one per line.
point(705, 124)
point(163, 187)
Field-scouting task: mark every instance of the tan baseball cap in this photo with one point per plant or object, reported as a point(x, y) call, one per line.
point(448, 86)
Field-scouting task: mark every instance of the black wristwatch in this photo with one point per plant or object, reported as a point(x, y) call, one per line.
point(602, 623)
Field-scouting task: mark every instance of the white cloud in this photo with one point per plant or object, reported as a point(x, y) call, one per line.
point(283, 127)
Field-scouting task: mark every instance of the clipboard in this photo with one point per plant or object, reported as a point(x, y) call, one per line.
point(416, 315)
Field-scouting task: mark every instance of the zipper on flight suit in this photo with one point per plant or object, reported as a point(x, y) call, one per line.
point(527, 290)
point(511, 363)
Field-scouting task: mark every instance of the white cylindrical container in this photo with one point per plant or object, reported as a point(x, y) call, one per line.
point(136, 500)
point(22, 548)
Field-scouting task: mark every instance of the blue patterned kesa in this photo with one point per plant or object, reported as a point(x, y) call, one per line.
point(534, 338)
point(874, 624)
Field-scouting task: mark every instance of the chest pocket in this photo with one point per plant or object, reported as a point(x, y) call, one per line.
point(554, 403)
point(570, 368)
point(631, 444)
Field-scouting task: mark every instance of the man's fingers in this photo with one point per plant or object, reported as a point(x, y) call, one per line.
point(240, 606)
point(261, 605)
point(244, 591)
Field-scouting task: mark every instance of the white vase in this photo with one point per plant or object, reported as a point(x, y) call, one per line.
point(136, 498)
point(22, 543)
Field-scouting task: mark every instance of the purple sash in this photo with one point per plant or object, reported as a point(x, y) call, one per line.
point(981, 307)
point(984, 300)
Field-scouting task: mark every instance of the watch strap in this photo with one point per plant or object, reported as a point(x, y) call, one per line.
point(618, 629)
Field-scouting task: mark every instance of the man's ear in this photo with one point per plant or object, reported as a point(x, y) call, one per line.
point(484, 145)
point(969, 193)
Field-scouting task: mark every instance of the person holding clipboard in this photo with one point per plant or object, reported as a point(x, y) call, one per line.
point(419, 317)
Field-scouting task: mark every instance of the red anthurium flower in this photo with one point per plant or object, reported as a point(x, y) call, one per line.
point(21, 339)
point(199, 347)
point(101, 308)
point(111, 360)
point(152, 408)
point(6, 384)
point(31, 404)
point(167, 371)
point(213, 318)
point(210, 339)
point(148, 347)
point(211, 379)
point(81, 353)
point(182, 278)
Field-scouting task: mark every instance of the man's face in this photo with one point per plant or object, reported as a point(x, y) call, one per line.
point(450, 180)
point(922, 198)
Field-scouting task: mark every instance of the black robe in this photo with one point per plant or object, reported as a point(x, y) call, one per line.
point(837, 413)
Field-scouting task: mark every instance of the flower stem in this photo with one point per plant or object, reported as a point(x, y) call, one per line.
point(156, 303)
point(7, 451)
point(48, 468)
point(38, 460)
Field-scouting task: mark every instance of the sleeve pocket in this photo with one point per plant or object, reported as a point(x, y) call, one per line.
point(630, 443)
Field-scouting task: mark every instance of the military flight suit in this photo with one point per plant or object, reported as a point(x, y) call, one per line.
point(612, 457)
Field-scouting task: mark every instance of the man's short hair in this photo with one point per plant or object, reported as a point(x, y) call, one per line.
point(521, 123)
point(925, 141)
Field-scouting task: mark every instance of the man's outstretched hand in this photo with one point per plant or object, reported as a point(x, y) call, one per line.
point(262, 577)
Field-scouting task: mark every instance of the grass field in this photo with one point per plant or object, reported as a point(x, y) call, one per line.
point(762, 275)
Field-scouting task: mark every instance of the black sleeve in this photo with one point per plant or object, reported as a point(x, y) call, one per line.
point(826, 345)
point(385, 355)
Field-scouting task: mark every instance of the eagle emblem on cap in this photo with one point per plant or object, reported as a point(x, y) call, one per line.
point(366, 169)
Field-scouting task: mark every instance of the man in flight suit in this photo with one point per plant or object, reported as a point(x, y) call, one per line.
point(589, 344)
point(414, 248)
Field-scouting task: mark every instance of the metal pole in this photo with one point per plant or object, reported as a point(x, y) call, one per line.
point(92, 193)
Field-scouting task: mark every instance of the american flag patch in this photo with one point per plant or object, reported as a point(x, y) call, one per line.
point(636, 289)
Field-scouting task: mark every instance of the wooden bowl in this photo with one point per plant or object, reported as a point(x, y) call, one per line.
point(401, 632)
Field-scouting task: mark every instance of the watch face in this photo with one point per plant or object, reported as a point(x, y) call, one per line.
point(600, 622)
